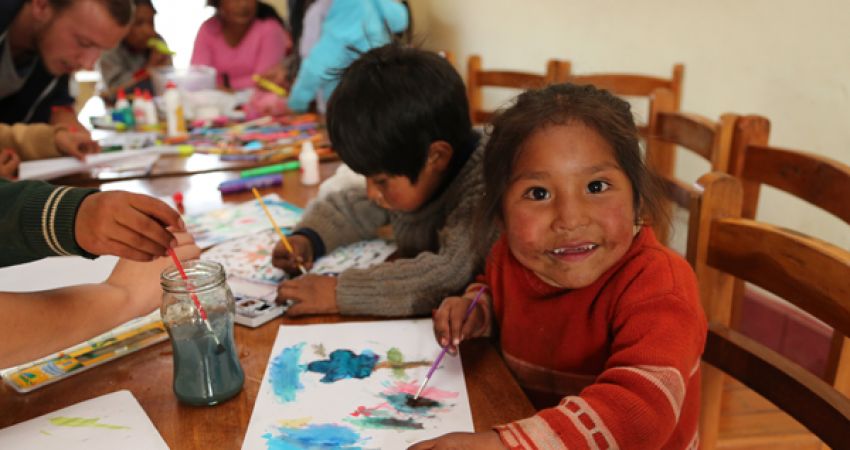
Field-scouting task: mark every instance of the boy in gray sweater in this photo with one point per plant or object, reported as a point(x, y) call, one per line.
point(399, 117)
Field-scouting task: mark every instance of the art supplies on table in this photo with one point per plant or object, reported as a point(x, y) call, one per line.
point(253, 280)
point(233, 221)
point(350, 385)
point(246, 184)
point(111, 421)
point(123, 340)
point(274, 168)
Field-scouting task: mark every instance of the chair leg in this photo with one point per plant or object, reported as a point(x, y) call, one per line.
point(710, 400)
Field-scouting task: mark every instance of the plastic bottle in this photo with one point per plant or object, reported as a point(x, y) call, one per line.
point(139, 108)
point(175, 123)
point(309, 161)
point(150, 110)
point(123, 112)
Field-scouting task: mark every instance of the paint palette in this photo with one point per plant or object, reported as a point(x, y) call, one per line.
point(350, 385)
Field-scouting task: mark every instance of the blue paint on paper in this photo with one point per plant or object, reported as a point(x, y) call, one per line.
point(314, 437)
point(285, 373)
point(344, 364)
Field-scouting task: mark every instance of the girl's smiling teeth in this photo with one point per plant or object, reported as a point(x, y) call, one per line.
point(573, 250)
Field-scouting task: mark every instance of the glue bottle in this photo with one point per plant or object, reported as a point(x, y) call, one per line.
point(309, 161)
point(173, 111)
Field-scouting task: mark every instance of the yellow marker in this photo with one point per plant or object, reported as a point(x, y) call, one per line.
point(160, 46)
point(276, 228)
point(268, 85)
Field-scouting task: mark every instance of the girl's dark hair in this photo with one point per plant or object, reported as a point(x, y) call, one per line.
point(121, 11)
point(562, 104)
point(264, 11)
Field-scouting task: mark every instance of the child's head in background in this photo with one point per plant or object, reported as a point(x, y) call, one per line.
point(564, 176)
point(141, 27)
point(400, 117)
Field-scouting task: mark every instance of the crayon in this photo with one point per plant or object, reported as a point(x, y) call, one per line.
point(244, 184)
point(291, 165)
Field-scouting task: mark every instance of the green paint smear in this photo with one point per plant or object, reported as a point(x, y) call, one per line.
point(396, 360)
point(83, 423)
point(45, 433)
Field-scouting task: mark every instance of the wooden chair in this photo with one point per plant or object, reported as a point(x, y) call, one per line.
point(633, 85)
point(477, 78)
point(812, 274)
point(822, 182)
point(669, 130)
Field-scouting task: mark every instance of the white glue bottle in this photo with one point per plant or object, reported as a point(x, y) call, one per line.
point(309, 161)
point(175, 124)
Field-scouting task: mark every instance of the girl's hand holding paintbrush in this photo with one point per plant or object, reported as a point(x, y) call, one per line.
point(451, 329)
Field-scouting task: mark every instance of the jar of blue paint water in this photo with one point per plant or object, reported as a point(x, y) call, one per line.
point(206, 365)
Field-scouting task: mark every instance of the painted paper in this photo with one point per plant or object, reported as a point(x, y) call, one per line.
point(233, 221)
point(107, 422)
point(351, 385)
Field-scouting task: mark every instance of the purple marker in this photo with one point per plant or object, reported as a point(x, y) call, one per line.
point(246, 184)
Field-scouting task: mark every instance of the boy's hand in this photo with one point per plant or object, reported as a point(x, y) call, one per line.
point(449, 327)
point(76, 143)
point(487, 440)
point(283, 259)
point(127, 225)
point(313, 294)
point(9, 163)
point(141, 279)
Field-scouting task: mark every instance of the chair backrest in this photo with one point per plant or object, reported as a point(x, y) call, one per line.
point(822, 182)
point(634, 85)
point(477, 78)
point(669, 130)
point(810, 273)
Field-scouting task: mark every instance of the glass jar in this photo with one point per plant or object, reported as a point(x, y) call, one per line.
point(206, 365)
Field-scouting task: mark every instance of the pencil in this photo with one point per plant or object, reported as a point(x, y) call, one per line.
point(276, 228)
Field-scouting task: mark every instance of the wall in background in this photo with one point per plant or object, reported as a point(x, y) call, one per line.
point(784, 59)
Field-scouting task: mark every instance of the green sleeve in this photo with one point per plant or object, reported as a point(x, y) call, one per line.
point(37, 220)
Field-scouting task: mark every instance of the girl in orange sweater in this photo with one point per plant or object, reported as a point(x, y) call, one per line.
point(601, 325)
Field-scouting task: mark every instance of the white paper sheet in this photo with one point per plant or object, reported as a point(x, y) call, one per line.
point(295, 408)
point(111, 421)
point(45, 169)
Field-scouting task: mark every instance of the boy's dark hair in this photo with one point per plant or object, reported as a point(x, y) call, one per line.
point(122, 11)
point(391, 104)
point(562, 104)
point(148, 3)
point(264, 11)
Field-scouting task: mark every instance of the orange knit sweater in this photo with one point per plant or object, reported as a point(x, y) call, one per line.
point(622, 354)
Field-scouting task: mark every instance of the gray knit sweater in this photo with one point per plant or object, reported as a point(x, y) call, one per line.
point(438, 253)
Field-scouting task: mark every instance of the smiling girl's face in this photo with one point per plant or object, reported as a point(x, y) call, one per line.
point(568, 210)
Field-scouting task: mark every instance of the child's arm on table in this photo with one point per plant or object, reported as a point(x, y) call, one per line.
point(33, 324)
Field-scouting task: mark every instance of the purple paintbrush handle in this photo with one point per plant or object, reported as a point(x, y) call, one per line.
point(465, 316)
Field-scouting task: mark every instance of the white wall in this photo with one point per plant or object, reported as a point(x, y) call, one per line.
point(178, 22)
point(788, 60)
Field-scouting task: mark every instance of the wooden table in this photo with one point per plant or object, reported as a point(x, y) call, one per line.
point(494, 395)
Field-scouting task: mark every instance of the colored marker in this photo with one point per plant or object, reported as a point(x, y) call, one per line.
point(178, 202)
point(160, 46)
point(283, 167)
point(245, 184)
point(269, 85)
